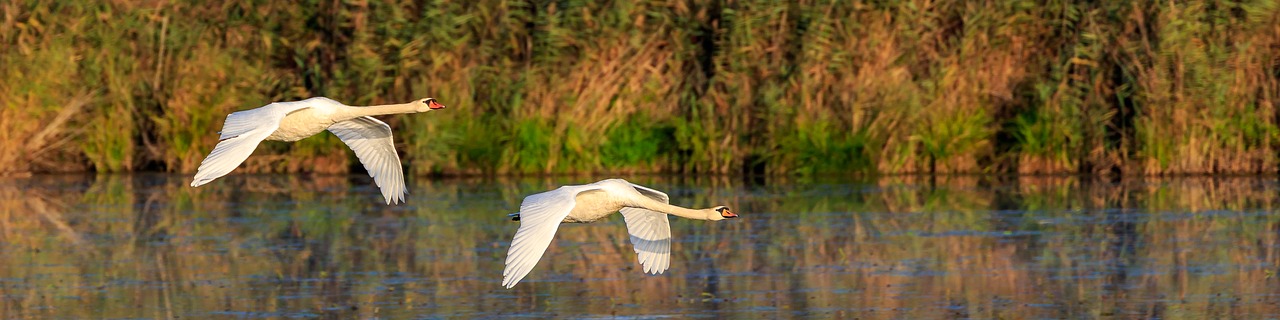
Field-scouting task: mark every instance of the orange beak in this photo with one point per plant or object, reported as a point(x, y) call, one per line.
point(728, 214)
point(434, 105)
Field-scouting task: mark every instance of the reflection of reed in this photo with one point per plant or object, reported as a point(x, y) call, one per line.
point(899, 247)
point(38, 205)
point(20, 206)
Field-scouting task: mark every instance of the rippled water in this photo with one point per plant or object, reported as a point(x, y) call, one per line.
point(148, 246)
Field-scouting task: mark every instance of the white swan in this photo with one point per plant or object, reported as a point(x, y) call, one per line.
point(293, 121)
point(644, 210)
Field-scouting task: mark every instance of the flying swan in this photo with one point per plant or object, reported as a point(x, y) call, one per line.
point(293, 121)
point(644, 210)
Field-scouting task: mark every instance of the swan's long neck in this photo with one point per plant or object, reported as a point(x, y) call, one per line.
point(352, 112)
point(695, 214)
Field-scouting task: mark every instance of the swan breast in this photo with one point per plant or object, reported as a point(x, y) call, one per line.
point(590, 206)
point(301, 124)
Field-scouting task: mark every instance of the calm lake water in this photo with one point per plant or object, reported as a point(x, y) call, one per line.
point(149, 246)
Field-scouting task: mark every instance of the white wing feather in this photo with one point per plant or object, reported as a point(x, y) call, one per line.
point(371, 140)
point(241, 133)
point(650, 232)
point(540, 217)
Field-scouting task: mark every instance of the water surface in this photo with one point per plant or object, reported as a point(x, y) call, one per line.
point(148, 246)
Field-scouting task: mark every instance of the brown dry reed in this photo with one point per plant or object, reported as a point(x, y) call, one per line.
point(690, 86)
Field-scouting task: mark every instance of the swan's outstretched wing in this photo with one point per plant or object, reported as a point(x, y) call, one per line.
point(653, 194)
point(650, 232)
point(540, 217)
point(241, 133)
point(371, 140)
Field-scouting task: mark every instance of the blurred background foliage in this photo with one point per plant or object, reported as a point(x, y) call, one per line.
point(692, 86)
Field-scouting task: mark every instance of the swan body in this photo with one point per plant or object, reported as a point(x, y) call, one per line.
point(645, 211)
point(296, 120)
point(303, 123)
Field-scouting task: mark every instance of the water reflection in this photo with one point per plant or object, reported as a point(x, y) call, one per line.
point(317, 246)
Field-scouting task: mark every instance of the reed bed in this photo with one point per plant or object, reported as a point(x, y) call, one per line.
point(694, 86)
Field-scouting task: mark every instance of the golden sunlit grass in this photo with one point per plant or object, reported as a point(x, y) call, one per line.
point(809, 87)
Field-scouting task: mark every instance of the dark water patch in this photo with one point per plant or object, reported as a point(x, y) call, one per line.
point(266, 315)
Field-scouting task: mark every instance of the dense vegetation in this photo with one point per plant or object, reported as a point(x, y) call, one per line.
point(706, 86)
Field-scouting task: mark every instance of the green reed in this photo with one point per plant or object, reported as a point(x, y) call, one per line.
point(708, 86)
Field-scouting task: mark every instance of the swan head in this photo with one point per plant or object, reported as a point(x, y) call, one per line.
point(429, 104)
point(725, 213)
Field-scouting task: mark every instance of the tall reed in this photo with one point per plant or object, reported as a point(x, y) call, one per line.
point(698, 86)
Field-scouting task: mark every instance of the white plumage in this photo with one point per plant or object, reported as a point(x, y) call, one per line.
point(645, 211)
point(293, 121)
